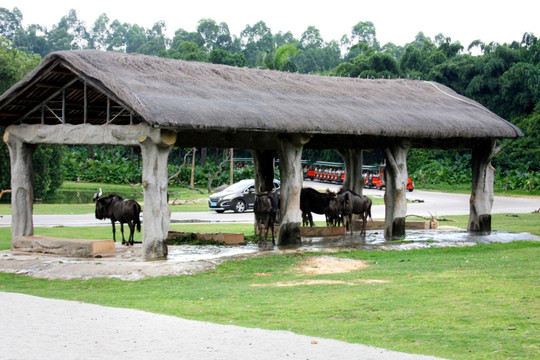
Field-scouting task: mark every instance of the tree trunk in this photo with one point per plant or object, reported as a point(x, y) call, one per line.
point(290, 167)
point(483, 174)
point(22, 187)
point(204, 153)
point(353, 160)
point(156, 219)
point(395, 178)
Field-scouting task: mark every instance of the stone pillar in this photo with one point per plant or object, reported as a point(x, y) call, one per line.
point(395, 178)
point(353, 160)
point(290, 167)
point(156, 219)
point(263, 162)
point(483, 174)
point(22, 187)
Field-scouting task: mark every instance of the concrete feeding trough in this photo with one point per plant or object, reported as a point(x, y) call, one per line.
point(66, 247)
point(226, 238)
point(411, 225)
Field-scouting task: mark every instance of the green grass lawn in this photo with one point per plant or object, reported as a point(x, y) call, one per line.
point(478, 302)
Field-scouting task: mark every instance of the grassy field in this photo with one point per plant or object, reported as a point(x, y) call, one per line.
point(479, 302)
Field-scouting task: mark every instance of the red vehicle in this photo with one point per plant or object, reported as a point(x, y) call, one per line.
point(377, 179)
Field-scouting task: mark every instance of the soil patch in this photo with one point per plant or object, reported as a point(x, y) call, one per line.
point(317, 265)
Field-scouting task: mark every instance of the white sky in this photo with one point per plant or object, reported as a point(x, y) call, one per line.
point(395, 21)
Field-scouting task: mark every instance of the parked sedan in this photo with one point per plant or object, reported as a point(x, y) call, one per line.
point(238, 197)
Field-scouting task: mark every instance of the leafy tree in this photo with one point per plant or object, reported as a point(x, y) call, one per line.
point(135, 38)
point(14, 64)
point(285, 38)
point(100, 33)
point(282, 58)
point(117, 36)
point(318, 60)
point(156, 42)
point(69, 34)
point(33, 40)
point(209, 31)
point(311, 38)
point(219, 56)
point(10, 22)
point(257, 41)
point(365, 32)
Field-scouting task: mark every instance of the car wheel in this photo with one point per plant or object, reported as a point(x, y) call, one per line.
point(410, 190)
point(220, 211)
point(239, 206)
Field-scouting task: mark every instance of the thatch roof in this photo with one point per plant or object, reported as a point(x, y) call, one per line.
point(194, 96)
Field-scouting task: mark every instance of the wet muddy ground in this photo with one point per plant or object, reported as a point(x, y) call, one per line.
point(127, 264)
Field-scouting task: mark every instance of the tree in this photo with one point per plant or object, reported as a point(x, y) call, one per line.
point(14, 64)
point(68, 34)
point(257, 42)
point(156, 42)
point(209, 32)
point(135, 38)
point(100, 33)
point(10, 22)
point(219, 56)
point(311, 38)
point(282, 58)
point(365, 32)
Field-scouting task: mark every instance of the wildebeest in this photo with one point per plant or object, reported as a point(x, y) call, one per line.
point(266, 209)
point(352, 203)
point(313, 201)
point(116, 208)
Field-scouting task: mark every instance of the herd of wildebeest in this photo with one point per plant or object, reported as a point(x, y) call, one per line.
point(338, 208)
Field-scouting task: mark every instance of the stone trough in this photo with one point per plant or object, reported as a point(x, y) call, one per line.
point(226, 238)
point(65, 247)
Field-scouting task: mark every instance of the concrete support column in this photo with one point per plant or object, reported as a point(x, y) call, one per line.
point(483, 174)
point(395, 178)
point(156, 221)
point(290, 167)
point(353, 160)
point(263, 161)
point(22, 187)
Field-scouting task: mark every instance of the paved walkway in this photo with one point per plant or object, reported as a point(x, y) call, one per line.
point(39, 328)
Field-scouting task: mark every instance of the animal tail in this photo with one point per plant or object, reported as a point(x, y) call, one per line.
point(138, 218)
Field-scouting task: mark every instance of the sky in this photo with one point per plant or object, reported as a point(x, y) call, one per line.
point(395, 21)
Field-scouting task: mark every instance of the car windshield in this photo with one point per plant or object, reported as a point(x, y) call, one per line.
point(237, 187)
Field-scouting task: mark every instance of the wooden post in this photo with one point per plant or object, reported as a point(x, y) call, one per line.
point(231, 173)
point(395, 178)
point(192, 178)
point(483, 174)
point(290, 166)
point(22, 187)
point(353, 160)
point(156, 219)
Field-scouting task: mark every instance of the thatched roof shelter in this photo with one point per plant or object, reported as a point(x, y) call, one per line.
point(95, 97)
point(208, 101)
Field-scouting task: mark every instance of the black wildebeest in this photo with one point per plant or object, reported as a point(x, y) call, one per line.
point(266, 209)
point(352, 203)
point(116, 208)
point(313, 201)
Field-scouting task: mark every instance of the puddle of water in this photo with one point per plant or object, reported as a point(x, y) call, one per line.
point(373, 240)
